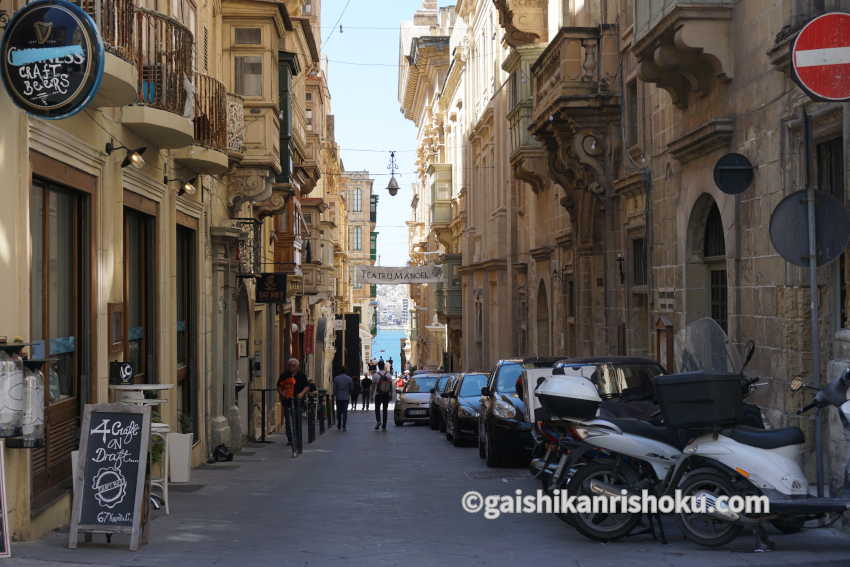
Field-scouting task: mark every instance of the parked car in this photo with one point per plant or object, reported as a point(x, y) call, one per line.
point(503, 433)
point(462, 408)
point(413, 401)
point(438, 403)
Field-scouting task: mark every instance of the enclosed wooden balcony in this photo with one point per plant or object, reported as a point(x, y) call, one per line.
point(208, 153)
point(164, 106)
point(114, 18)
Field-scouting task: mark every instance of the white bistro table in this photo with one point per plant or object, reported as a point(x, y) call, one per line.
point(135, 394)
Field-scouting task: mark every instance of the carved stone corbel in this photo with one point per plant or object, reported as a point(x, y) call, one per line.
point(524, 21)
point(530, 166)
point(247, 185)
point(276, 203)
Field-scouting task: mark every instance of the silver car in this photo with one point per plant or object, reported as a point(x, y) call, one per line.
point(412, 403)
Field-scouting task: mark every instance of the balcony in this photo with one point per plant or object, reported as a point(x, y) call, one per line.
point(448, 292)
point(114, 19)
point(528, 157)
point(207, 154)
point(163, 49)
point(684, 46)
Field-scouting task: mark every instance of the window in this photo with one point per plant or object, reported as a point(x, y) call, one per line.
point(249, 75)
point(308, 97)
point(358, 238)
point(187, 390)
point(639, 268)
point(308, 115)
point(308, 219)
point(830, 171)
point(248, 36)
point(308, 7)
point(357, 201)
point(58, 323)
point(631, 113)
point(714, 254)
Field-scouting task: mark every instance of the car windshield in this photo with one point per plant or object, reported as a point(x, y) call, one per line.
point(472, 384)
point(420, 384)
point(507, 377)
point(622, 380)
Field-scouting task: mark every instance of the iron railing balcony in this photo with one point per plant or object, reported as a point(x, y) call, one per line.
point(114, 18)
point(210, 113)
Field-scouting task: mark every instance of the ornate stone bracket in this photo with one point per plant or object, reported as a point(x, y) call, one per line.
point(274, 204)
point(306, 176)
point(530, 15)
point(687, 51)
point(247, 185)
point(529, 165)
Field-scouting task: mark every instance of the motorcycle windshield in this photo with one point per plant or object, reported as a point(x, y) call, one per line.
point(703, 345)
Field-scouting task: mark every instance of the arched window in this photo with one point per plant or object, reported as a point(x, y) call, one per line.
point(707, 292)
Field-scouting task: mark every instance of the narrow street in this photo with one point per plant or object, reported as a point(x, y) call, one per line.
point(368, 497)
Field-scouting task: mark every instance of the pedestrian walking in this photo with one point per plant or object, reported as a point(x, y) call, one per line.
point(365, 390)
point(292, 386)
point(355, 393)
point(343, 386)
point(383, 393)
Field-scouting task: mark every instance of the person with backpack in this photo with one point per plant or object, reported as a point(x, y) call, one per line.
point(365, 390)
point(383, 393)
point(292, 386)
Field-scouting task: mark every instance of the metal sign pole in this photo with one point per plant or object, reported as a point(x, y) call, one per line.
point(813, 293)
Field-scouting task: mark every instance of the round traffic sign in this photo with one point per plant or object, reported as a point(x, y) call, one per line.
point(733, 174)
point(820, 57)
point(789, 228)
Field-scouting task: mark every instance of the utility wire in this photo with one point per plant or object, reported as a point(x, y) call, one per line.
point(338, 20)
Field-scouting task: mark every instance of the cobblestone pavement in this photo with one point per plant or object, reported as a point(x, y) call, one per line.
point(368, 497)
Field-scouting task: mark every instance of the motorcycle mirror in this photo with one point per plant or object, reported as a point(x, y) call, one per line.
point(749, 351)
point(796, 384)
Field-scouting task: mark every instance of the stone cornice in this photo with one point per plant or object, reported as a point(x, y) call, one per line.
point(706, 138)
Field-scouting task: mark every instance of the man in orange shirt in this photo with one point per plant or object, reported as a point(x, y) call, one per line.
point(292, 386)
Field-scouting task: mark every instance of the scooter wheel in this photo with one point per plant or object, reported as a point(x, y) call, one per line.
point(602, 527)
point(701, 528)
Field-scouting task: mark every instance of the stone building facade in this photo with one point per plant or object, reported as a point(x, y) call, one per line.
point(590, 222)
point(157, 264)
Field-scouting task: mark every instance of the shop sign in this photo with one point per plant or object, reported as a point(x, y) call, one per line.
point(401, 275)
point(295, 285)
point(271, 288)
point(109, 487)
point(52, 59)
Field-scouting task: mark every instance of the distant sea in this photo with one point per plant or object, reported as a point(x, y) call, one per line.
point(388, 340)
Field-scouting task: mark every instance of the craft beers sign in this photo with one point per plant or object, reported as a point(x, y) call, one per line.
point(52, 59)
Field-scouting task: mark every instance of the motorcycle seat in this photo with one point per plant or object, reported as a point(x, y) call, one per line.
point(650, 431)
point(766, 438)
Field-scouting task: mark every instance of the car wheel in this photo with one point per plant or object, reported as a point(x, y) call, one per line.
point(456, 440)
point(491, 457)
point(481, 439)
point(442, 424)
point(398, 421)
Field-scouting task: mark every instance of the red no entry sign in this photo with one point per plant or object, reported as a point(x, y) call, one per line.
point(820, 57)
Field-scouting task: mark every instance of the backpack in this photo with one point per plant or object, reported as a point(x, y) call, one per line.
point(384, 385)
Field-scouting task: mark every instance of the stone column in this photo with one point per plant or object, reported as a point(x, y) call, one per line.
point(224, 241)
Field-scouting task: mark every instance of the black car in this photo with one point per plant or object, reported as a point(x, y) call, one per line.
point(504, 435)
point(462, 408)
point(438, 403)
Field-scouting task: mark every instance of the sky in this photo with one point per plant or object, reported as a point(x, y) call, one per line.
point(363, 79)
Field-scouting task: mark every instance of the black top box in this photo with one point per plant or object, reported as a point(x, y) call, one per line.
point(699, 400)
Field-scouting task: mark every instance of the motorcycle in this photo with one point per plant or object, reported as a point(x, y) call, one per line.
point(607, 447)
point(740, 461)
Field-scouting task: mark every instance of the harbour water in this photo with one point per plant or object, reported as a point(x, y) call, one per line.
point(387, 344)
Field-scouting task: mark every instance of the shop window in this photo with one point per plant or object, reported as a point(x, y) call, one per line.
point(59, 321)
point(187, 388)
point(249, 75)
point(139, 309)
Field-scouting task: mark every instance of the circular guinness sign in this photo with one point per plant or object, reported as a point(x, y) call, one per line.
point(52, 58)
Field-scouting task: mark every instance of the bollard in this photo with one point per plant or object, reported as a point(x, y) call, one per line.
point(312, 402)
point(323, 406)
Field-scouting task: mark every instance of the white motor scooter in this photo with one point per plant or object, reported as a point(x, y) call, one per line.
point(744, 461)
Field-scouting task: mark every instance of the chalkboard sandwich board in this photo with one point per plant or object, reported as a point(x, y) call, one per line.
point(110, 481)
